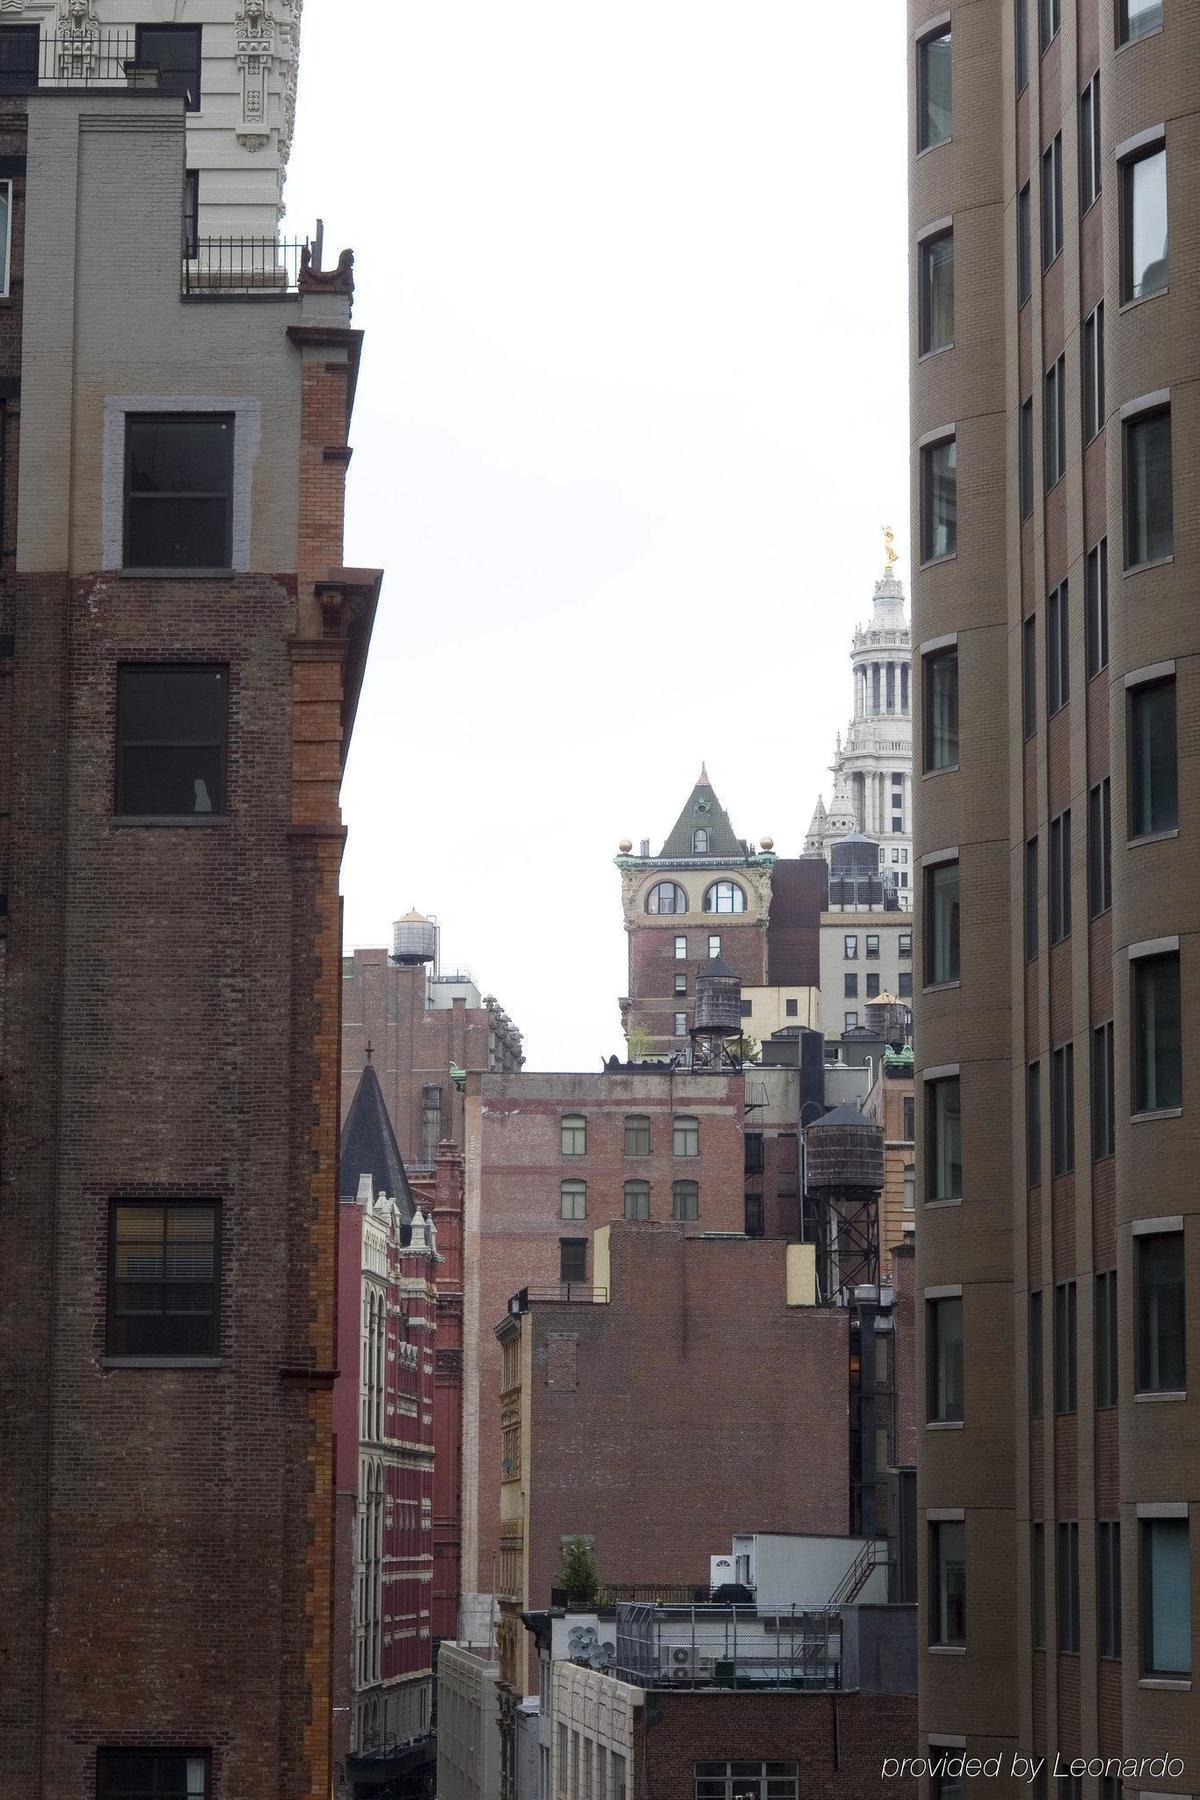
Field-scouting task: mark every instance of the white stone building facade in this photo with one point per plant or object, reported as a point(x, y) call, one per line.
point(873, 766)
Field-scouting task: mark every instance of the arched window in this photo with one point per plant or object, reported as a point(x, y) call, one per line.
point(637, 1199)
point(637, 1135)
point(700, 842)
point(686, 1137)
point(666, 897)
point(574, 1199)
point(574, 1134)
point(724, 897)
point(685, 1200)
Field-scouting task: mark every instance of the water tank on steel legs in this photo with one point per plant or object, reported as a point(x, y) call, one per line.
point(718, 1000)
point(855, 856)
point(844, 1153)
point(414, 939)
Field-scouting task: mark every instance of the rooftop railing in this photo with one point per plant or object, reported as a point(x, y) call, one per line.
point(215, 268)
point(729, 1647)
point(29, 61)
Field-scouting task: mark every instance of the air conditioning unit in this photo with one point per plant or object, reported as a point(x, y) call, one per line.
point(682, 1663)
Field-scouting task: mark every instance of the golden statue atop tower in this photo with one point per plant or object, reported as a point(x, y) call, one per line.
point(889, 548)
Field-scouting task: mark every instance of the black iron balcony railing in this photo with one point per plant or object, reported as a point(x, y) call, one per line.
point(240, 266)
point(30, 59)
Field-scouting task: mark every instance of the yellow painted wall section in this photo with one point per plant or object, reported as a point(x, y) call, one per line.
point(802, 1275)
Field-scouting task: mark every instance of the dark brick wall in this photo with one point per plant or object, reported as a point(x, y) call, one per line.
point(799, 895)
point(701, 1405)
point(839, 1740)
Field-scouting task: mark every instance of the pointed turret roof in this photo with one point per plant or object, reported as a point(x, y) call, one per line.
point(703, 811)
point(369, 1147)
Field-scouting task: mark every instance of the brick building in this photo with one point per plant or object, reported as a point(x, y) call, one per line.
point(383, 1402)
point(1054, 437)
point(891, 1103)
point(420, 1022)
point(440, 1196)
point(548, 1160)
point(182, 650)
point(709, 893)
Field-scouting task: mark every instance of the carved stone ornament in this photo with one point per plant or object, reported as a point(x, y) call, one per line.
point(255, 29)
point(78, 41)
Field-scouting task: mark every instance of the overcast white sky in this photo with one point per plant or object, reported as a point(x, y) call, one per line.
point(633, 410)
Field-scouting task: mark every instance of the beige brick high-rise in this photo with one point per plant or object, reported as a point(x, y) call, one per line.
point(1072, 1010)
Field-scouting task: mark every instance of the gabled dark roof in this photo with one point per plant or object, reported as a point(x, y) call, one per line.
point(716, 965)
point(850, 1114)
point(705, 811)
point(369, 1147)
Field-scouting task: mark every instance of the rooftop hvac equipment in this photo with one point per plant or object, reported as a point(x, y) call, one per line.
point(414, 940)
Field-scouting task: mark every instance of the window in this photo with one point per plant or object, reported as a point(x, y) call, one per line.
point(1099, 848)
point(1149, 509)
point(746, 1781)
point(172, 733)
point(849, 987)
point(791, 1009)
point(747, 1009)
point(941, 923)
point(1153, 772)
point(906, 943)
point(18, 58)
point(1108, 1586)
point(1024, 246)
point(191, 213)
point(873, 986)
point(850, 1021)
point(574, 1134)
point(1054, 424)
point(1104, 1135)
point(431, 1121)
point(667, 897)
point(175, 51)
point(850, 946)
point(1068, 1588)
point(1021, 54)
point(681, 984)
point(935, 259)
point(1095, 601)
point(1166, 1599)
point(1037, 1584)
point(637, 1199)
point(1031, 899)
point(752, 1153)
point(1136, 18)
point(1161, 1334)
point(1049, 20)
point(909, 1127)
point(943, 1133)
point(1033, 1125)
point(714, 947)
point(1089, 144)
point(700, 843)
point(1058, 678)
point(178, 490)
point(1106, 1338)
point(1029, 676)
point(941, 709)
point(163, 1272)
point(944, 1359)
point(618, 1777)
point(939, 500)
point(947, 1565)
point(686, 1137)
point(681, 1026)
point(1025, 466)
point(1060, 877)
point(1064, 1347)
point(681, 949)
point(1093, 374)
point(1144, 229)
point(572, 1259)
point(1052, 202)
point(934, 92)
point(573, 1199)
point(1157, 1046)
point(637, 1135)
point(152, 1775)
point(1035, 1355)
point(873, 946)
point(724, 897)
point(1062, 1110)
point(905, 985)
point(685, 1200)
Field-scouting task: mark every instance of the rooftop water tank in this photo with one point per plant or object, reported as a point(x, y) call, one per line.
point(844, 1151)
point(855, 856)
point(718, 1000)
point(414, 940)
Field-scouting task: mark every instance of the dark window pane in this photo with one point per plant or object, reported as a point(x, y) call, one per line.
point(1031, 899)
point(1021, 57)
point(1144, 236)
point(944, 1140)
point(1064, 1348)
point(1062, 1110)
point(1149, 504)
point(1029, 676)
point(1162, 1365)
point(179, 472)
point(1136, 17)
point(935, 108)
point(1157, 1045)
point(1024, 246)
point(172, 731)
point(1153, 771)
point(171, 455)
point(942, 909)
point(1033, 1125)
point(1035, 1355)
point(944, 1341)
point(1026, 459)
point(1096, 605)
point(572, 1259)
point(936, 311)
point(18, 58)
point(175, 51)
point(1166, 1598)
point(940, 500)
point(941, 710)
point(163, 1271)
